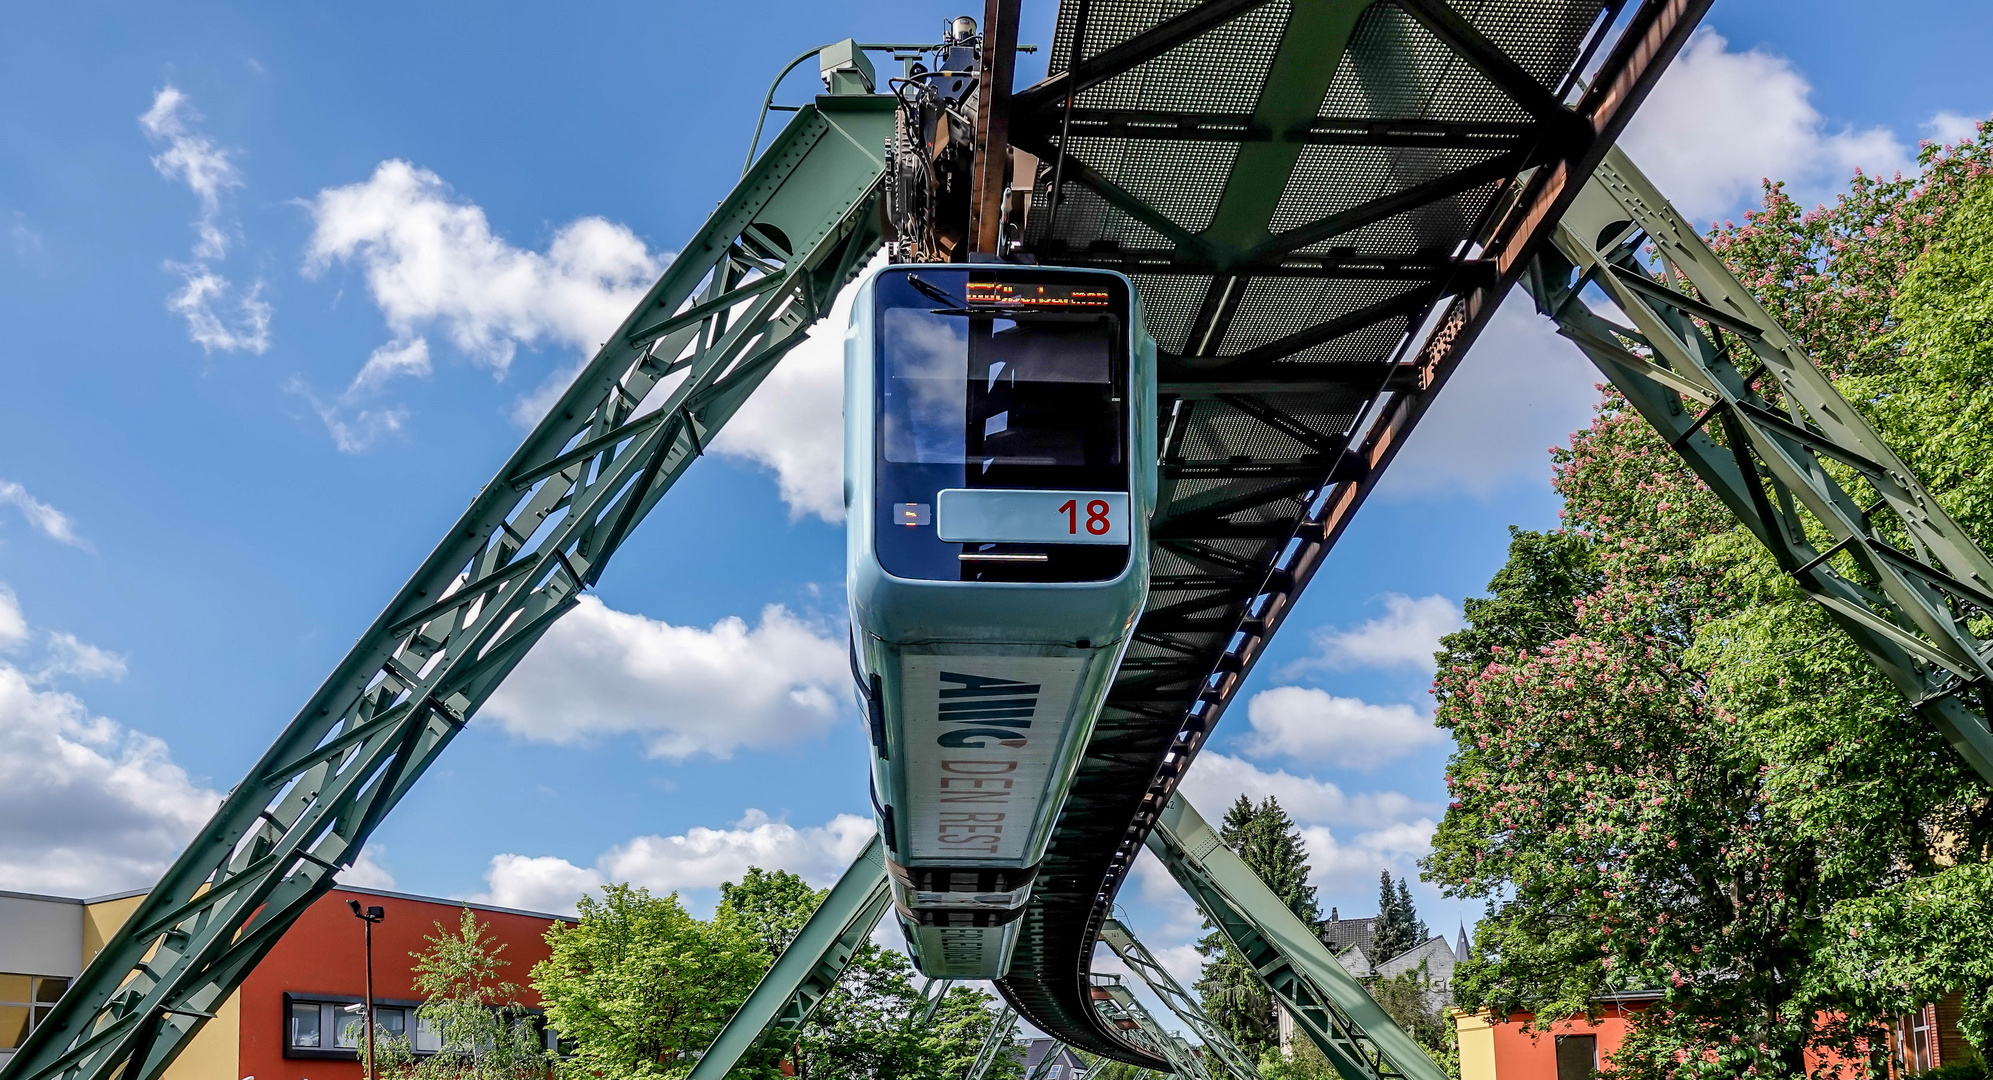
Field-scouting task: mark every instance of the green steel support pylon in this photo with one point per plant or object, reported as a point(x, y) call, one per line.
point(1118, 1005)
point(807, 970)
point(738, 296)
point(1217, 1044)
point(1001, 1038)
point(1797, 464)
point(1359, 1038)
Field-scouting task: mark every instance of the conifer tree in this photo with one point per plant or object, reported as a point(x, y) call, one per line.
point(1266, 840)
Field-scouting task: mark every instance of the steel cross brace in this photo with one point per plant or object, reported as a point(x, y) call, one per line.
point(1359, 1038)
point(763, 267)
point(1118, 1005)
point(999, 1041)
point(809, 968)
point(1797, 464)
point(1164, 985)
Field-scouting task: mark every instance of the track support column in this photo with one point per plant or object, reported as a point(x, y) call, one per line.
point(809, 968)
point(1796, 463)
point(1359, 1038)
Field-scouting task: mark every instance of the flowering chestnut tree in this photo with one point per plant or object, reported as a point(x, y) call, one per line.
point(1672, 772)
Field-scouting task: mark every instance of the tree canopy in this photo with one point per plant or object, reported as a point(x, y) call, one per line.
point(1671, 770)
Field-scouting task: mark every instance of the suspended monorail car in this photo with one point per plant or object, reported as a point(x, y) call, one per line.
point(1000, 471)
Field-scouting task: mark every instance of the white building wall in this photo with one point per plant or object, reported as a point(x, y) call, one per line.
point(40, 935)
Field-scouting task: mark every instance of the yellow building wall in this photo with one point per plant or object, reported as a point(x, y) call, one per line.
point(101, 921)
point(1477, 1045)
point(215, 1051)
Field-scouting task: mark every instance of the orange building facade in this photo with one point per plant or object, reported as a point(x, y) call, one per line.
point(1574, 1048)
point(299, 1015)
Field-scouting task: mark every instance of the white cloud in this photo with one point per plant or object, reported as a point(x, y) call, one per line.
point(1216, 780)
point(90, 806)
point(68, 656)
point(432, 262)
point(683, 690)
point(699, 858)
point(195, 159)
point(392, 361)
point(1335, 864)
point(1720, 121)
point(369, 871)
point(204, 301)
point(1406, 636)
point(794, 423)
point(1306, 723)
point(1946, 126)
point(46, 519)
point(218, 315)
point(13, 625)
point(1519, 391)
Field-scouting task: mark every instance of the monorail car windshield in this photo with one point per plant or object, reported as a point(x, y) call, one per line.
point(1000, 427)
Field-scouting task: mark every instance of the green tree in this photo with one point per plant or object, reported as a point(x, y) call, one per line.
point(484, 1031)
point(1268, 842)
point(1671, 769)
point(641, 986)
point(866, 1026)
point(1398, 927)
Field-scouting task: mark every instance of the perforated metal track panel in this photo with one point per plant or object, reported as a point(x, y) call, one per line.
point(1295, 188)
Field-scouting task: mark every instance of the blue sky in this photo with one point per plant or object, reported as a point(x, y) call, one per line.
point(280, 283)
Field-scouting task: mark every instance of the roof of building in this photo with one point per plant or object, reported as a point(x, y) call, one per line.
point(1338, 933)
point(1035, 1050)
point(451, 901)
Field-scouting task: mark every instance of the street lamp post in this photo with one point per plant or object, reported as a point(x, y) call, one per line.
point(370, 916)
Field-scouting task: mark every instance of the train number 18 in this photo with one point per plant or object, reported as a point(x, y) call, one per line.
point(1096, 517)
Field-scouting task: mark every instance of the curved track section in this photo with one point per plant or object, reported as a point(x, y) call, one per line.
point(1296, 188)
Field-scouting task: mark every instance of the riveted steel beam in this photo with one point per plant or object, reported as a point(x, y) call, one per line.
point(809, 967)
point(1218, 1046)
point(541, 532)
point(1798, 465)
point(1359, 1038)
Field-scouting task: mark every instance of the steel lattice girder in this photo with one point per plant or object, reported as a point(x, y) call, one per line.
point(1137, 958)
point(1788, 457)
point(1119, 1006)
point(1291, 381)
point(763, 267)
point(809, 967)
point(995, 1043)
point(1359, 1038)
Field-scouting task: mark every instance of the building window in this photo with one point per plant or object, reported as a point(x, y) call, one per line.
point(334, 1026)
point(1055, 1073)
point(26, 1001)
point(1915, 1041)
point(1577, 1057)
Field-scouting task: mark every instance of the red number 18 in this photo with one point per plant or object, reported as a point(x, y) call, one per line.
point(1096, 517)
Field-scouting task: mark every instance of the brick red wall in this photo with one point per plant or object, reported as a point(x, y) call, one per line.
point(323, 953)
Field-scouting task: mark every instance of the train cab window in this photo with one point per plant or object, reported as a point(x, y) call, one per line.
point(990, 381)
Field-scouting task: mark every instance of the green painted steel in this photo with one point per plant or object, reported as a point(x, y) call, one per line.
point(1002, 1037)
point(1359, 1038)
point(764, 267)
point(1118, 1005)
point(809, 968)
point(1798, 465)
point(1136, 956)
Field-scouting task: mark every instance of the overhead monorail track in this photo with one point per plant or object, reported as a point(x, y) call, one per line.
point(1296, 189)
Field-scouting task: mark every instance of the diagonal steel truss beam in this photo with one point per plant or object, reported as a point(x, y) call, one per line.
point(1217, 1044)
point(809, 968)
point(1359, 1038)
point(1121, 1010)
point(1001, 1038)
point(1797, 464)
point(762, 269)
